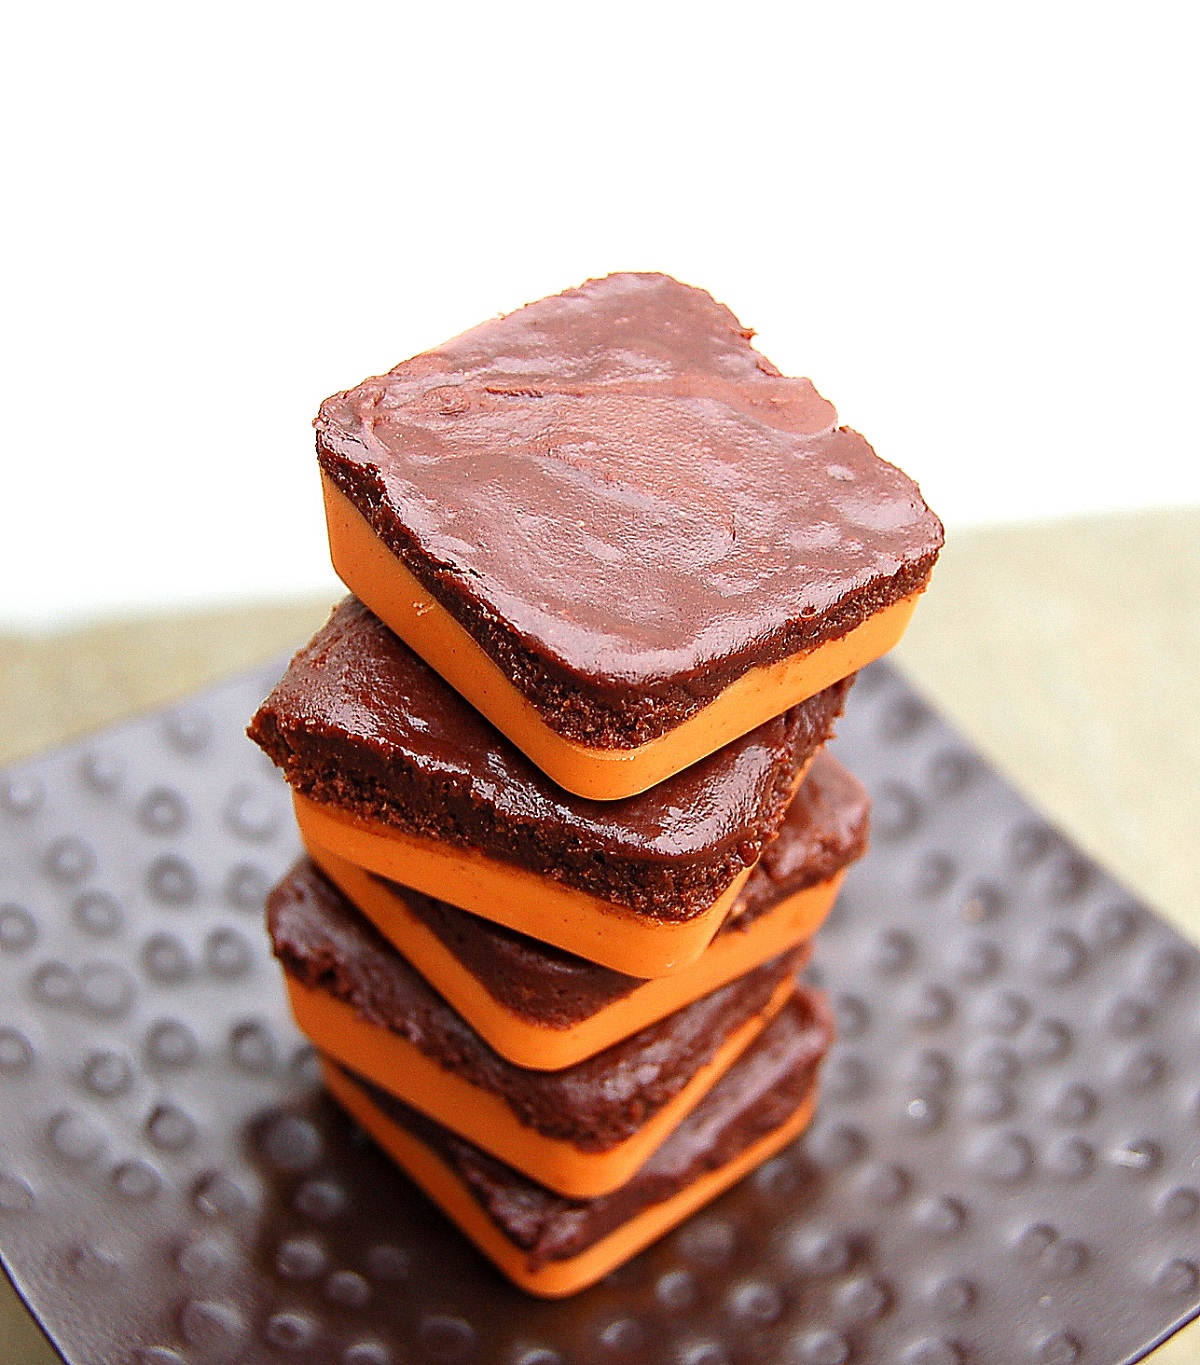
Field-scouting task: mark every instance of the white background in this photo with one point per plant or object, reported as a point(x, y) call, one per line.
point(975, 227)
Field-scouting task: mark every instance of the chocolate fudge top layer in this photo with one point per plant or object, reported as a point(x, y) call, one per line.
point(359, 722)
point(762, 1089)
point(624, 503)
point(324, 943)
point(825, 829)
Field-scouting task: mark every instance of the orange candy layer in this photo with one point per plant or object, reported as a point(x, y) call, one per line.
point(539, 906)
point(544, 1047)
point(557, 1278)
point(483, 1117)
point(378, 578)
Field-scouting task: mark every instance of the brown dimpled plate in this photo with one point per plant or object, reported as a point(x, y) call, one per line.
point(1005, 1167)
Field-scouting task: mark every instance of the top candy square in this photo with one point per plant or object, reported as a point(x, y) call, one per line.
point(618, 530)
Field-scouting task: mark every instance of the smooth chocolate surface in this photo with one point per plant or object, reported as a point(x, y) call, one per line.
point(824, 829)
point(326, 944)
point(624, 503)
point(762, 1089)
point(1004, 1164)
point(360, 722)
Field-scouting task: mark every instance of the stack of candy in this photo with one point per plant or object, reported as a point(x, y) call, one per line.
point(559, 767)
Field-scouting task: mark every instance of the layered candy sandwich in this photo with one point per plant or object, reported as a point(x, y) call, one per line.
point(617, 530)
point(544, 1008)
point(393, 771)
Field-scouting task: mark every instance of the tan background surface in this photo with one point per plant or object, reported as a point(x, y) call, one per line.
point(1067, 651)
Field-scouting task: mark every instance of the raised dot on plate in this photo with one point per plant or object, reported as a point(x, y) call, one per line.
point(101, 771)
point(1115, 925)
point(300, 1258)
point(863, 1298)
point(171, 880)
point(171, 1043)
point(163, 811)
point(894, 951)
point(55, 983)
point(16, 1195)
point(984, 901)
point(1029, 844)
point(290, 1142)
point(834, 1145)
point(252, 813)
point(1005, 1158)
point(931, 1006)
point(200, 1260)
point(1059, 955)
point(934, 875)
point(21, 795)
point(941, 1215)
point(16, 1052)
point(776, 1179)
point(217, 1195)
point(1065, 1257)
point(1033, 1240)
point(136, 1180)
point(895, 814)
point(75, 1136)
point(1179, 1204)
point(1060, 1349)
point(446, 1338)
point(885, 1184)
point(949, 772)
point(1128, 1016)
point(91, 1263)
point(979, 959)
point(1070, 1158)
point(166, 959)
point(107, 1073)
point(187, 731)
point(18, 930)
point(170, 1128)
point(1177, 1278)
point(246, 887)
point(925, 1112)
point(227, 953)
point(1069, 877)
point(291, 1331)
point(953, 1296)
point(1050, 1040)
point(1165, 968)
point(822, 1253)
point(989, 1101)
point(822, 1347)
point(347, 1288)
point(68, 859)
point(366, 1353)
point(853, 1016)
point(933, 1351)
point(756, 1302)
point(98, 913)
point(1142, 1069)
point(252, 1046)
point(702, 1353)
point(1005, 1012)
point(845, 1076)
point(320, 1199)
point(211, 1326)
point(677, 1291)
point(1074, 1103)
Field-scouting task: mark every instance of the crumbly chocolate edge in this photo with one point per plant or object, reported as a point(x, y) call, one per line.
point(555, 1227)
point(332, 770)
point(584, 710)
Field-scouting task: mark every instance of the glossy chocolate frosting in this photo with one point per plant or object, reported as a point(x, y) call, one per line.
point(360, 722)
point(326, 944)
point(762, 1089)
point(624, 502)
point(825, 828)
